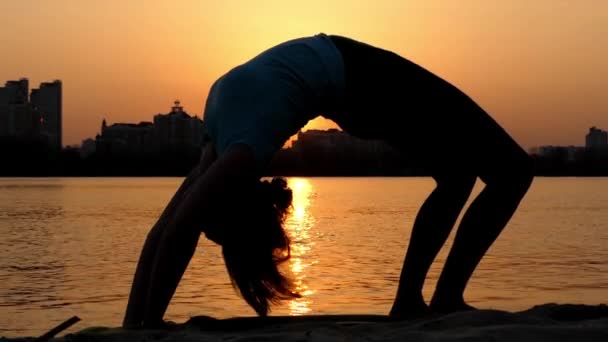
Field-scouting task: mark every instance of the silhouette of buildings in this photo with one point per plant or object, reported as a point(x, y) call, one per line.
point(567, 153)
point(170, 132)
point(15, 92)
point(170, 144)
point(335, 141)
point(88, 147)
point(336, 153)
point(46, 101)
point(178, 128)
point(17, 117)
point(588, 160)
point(124, 138)
point(596, 138)
point(28, 118)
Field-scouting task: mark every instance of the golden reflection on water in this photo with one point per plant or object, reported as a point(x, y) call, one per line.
point(62, 245)
point(298, 225)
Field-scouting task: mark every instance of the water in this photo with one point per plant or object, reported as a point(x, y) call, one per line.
point(69, 247)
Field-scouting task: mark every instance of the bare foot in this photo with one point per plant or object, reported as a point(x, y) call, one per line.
point(162, 325)
point(409, 309)
point(131, 326)
point(446, 307)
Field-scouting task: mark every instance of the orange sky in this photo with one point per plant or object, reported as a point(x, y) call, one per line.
point(539, 67)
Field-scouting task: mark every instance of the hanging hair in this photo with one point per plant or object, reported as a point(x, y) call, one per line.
point(253, 256)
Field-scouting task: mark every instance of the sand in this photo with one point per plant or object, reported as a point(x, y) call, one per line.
point(549, 322)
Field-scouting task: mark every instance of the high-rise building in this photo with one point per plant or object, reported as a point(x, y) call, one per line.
point(46, 100)
point(5, 121)
point(17, 119)
point(596, 138)
point(15, 92)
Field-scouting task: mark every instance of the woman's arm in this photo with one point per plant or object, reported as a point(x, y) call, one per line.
point(139, 288)
point(180, 233)
point(183, 217)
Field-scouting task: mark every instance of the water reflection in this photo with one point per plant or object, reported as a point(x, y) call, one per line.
point(73, 251)
point(299, 223)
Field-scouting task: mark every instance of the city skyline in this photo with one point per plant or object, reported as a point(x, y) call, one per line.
point(35, 115)
point(31, 123)
point(537, 67)
point(45, 103)
point(174, 130)
point(593, 137)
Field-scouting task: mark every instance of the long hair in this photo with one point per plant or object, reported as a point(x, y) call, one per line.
point(252, 258)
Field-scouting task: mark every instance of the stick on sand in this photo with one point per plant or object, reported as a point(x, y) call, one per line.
point(56, 330)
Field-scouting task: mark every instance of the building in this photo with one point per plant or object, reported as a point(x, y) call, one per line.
point(335, 141)
point(15, 92)
point(563, 153)
point(596, 138)
point(88, 148)
point(125, 138)
point(169, 132)
point(177, 128)
point(47, 101)
point(17, 117)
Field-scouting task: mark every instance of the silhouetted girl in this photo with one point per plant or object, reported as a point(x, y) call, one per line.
point(370, 93)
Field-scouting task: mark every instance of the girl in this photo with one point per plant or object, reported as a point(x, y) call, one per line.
point(369, 92)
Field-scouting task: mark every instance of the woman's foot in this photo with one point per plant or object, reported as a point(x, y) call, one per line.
point(410, 309)
point(129, 325)
point(162, 325)
point(446, 306)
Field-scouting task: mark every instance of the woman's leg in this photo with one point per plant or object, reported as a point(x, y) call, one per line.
point(137, 303)
point(433, 224)
point(480, 226)
point(479, 145)
point(389, 97)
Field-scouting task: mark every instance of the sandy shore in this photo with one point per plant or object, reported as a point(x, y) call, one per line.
point(549, 322)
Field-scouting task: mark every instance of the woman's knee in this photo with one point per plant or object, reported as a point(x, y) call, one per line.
point(455, 185)
point(514, 179)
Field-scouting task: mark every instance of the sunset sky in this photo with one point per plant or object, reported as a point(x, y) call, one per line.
point(539, 67)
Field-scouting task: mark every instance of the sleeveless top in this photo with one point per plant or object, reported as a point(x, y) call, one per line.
point(268, 99)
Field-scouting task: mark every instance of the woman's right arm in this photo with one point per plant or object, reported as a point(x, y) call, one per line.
point(181, 232)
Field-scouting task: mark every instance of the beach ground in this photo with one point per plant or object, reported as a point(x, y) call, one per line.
point(548, 322)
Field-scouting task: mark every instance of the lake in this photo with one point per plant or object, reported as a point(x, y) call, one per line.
point(70, 245)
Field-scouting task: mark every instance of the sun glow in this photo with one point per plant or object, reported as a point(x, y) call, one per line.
point(298, 225)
